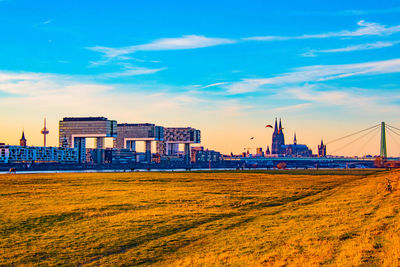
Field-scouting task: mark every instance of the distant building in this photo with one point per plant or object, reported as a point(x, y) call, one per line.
point(37, 154)
point(278, 139)
point(296, 150)
point(22, 141)
point(173, 136)
point(280, 149)
point(259, 152)
point(74, 131)
point(198, 154)
point(130, 133)
point(117, 155)
point(322, 149)
point(267, 152)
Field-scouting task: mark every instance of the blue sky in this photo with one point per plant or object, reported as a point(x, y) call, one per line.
point(226, 67)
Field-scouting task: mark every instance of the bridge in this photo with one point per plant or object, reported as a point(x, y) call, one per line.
point(354, 140)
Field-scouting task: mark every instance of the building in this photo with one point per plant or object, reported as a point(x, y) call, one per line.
point(279, 148)
point(278, 139)
point(130, 133)
point(198, 154)
point(121, 156)
point(173, 136)
point(296, 150)
point(37, 154)
point(322, 149)
point(74, 131)
point(22, 141)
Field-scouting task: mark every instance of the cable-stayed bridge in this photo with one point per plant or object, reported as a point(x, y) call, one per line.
point(356, 142)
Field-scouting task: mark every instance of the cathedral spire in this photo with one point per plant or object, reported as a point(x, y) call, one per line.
point(280, 123)
point(295, 139)
point(22, 141)
point(276, 126)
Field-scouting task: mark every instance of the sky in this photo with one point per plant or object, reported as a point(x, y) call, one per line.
point(228, 68)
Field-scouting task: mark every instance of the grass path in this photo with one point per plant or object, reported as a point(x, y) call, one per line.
point(250, 218)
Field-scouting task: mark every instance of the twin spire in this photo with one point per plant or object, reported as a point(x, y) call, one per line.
point(276, 128)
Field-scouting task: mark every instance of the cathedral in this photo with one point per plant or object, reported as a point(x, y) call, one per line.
point(291, 150)
point(278, 139)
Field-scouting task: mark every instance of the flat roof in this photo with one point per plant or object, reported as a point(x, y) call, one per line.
point(136, 124)
point(84, 119)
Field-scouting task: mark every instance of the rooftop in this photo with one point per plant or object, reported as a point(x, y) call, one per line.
point(84, 119)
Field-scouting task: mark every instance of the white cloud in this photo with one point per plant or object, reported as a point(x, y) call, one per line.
point(213, 84)
point(357, 100)
point(133, 71)
point(316, 73)
point(366, 12)
point(290, 108)
point(184, 42)
point(365, 29)
point(351, 48)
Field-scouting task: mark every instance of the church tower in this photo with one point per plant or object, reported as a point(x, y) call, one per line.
point(322, 149)
point(22, 141)
point(278, 138)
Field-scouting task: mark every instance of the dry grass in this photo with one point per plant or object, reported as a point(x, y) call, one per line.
point(259, 219)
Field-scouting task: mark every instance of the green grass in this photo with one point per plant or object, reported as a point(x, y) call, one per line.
point(241, 218)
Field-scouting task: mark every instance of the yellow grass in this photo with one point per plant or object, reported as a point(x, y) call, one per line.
point(185, 219)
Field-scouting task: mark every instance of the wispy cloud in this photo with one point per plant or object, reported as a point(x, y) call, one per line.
point(347, 12)
point(317, 73)
point(290, 108)
point(213, 85)
point(132, 71)
point(368, 12)
point(356, 99)
point(184, 42)
point(350, 48)
point(365, 29)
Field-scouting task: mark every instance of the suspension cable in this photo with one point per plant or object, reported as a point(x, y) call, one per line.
point(369, 140)
point(392, 129)
point(349, 135)
point(358, 138)
point(394, 139)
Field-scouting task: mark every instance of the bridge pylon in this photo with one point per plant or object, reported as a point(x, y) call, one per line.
point(383, 151)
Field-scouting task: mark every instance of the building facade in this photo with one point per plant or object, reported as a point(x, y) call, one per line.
point(37, 154)
point(74, 131)
point(199, 154)
point(173, 136)
point(130, 133)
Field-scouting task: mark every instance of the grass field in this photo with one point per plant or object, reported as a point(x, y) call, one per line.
point(295, 218)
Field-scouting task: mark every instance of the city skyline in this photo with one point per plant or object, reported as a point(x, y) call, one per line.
point(326, 70)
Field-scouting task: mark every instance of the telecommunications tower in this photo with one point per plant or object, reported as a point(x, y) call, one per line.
point(45, 132)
